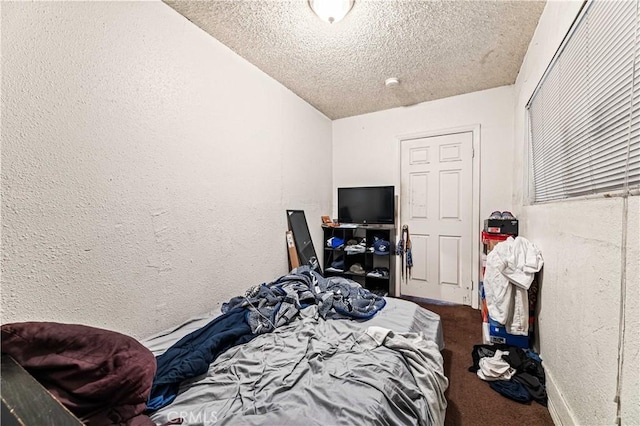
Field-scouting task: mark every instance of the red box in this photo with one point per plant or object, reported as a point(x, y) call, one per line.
point(487, 237)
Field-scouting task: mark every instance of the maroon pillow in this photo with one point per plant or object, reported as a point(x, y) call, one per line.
point(102, 376)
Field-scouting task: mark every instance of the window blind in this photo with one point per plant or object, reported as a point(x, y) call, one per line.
point(584, 116)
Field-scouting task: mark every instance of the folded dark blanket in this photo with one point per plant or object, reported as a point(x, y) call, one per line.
point(101, 376)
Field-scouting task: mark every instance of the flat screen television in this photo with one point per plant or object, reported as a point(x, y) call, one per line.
point(366, 205)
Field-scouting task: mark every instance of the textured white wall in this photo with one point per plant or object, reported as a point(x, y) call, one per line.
point(630, 392)
point(581, 242)
point(366, 148)
point(146, 168)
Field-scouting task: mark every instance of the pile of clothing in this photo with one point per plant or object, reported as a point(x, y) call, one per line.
point(510, 270)
point(513, 372)
point(260, 310)
point(277, 303)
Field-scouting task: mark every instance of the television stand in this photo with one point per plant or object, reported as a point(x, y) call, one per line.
point(376, 270)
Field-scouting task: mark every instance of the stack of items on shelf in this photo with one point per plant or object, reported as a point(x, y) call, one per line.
point(362, 253)
point(350, 248)
point(499, 227)
point(355, 247)
point(337, 265)
point(379, 273)
point(509, 287)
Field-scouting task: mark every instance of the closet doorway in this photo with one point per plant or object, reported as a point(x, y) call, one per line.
point(439, 202)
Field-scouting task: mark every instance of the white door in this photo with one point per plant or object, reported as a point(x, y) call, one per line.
point(436, 204)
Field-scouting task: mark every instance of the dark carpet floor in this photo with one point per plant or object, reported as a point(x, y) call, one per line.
point(470, 400)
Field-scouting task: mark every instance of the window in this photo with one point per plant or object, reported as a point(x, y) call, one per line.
point(584, 116)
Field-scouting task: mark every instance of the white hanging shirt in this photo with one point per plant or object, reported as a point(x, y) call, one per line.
point(510, 269)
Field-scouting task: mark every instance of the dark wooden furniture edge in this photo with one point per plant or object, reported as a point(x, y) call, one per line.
point(26, 402)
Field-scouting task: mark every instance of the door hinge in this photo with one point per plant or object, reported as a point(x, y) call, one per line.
point(473, 153)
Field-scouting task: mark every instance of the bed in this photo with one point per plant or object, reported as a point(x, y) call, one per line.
point(316, 372)
point(313, 369)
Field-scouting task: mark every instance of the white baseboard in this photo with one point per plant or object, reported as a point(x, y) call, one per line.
point(560, 412)
point(554, 414)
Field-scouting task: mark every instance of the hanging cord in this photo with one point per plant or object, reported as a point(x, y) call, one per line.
point(623, 242)
point(622, 317)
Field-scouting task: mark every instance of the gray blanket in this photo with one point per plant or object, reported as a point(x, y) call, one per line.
point(313, 372)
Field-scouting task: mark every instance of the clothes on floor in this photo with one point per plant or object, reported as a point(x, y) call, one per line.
point(527, 366)
point(481, 351)
point(534, 386)
point(531, 354)
point(512, 390)
point(495, 367)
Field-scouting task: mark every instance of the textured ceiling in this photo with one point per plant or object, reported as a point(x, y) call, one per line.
point(436, 48)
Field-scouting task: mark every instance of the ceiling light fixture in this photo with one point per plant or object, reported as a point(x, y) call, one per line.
point(392, 82)
point(331, 10)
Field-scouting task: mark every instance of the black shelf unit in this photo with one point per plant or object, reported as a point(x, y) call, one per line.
point(368, 260)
